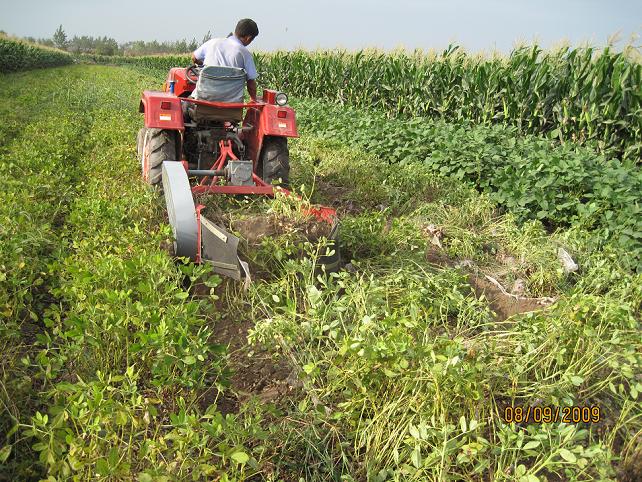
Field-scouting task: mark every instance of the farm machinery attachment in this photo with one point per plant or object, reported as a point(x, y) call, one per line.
point(195, 143)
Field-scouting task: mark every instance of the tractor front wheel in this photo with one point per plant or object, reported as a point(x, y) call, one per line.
point(154, 147)
point(275, 160)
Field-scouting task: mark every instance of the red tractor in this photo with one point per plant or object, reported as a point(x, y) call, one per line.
point(196, 146)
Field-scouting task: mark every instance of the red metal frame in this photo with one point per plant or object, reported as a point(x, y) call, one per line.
point(211, 186)
point(163, 110)
point(198, 233)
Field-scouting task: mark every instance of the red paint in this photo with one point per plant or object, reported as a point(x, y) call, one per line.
point(156, 116)
point(198, 233)
point(322, 213)
point(269, 96)
point(163, 110)
point(182, 86)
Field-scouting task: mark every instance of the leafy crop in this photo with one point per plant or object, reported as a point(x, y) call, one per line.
point(581, 95)
point(531, 177)
point(396, 367)
point(405, 370)
point(18, 55)
point(107, 352)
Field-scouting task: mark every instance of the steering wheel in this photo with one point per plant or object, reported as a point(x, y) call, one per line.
point(192, 72)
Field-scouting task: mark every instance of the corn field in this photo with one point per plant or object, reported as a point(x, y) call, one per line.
point(583, 95)
point(19, 55)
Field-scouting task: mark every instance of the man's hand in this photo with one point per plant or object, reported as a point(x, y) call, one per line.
point(251, 89)
point(196, 61)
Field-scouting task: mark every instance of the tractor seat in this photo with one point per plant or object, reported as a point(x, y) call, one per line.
point(218, 84)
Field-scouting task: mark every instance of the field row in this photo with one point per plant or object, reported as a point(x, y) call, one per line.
point(98, 330)
point(528, 176)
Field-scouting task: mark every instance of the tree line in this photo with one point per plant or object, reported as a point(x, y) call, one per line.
point(86, 44)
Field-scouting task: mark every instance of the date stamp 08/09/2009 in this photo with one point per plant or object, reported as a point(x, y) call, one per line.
point(551, 414)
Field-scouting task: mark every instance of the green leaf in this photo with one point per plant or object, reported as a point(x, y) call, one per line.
point(577, 380)
point(4, 453)
point(240, 457)
point(531, 445)
point(143, 477)
point(189, 360)
point(529, 478)
point(102, 467)
point(113, 457)
point(181, 295)
point(568, 456)
point(462, 424)
point(416, 457)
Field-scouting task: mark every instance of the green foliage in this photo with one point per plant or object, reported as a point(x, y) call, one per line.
point(18, 55)
point(405, 374)
point(107, 350)
point(529, 176)
point(403, 368)
point(60, 38)
point(154, 65)
point(581, 95)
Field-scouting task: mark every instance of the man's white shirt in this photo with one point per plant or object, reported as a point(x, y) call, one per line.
point(227, 52)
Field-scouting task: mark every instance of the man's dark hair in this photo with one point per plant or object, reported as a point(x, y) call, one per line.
point(246, 27)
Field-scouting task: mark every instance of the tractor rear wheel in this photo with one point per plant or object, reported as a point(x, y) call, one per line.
point(140, 142)
point(275, 160)
point(158, 145)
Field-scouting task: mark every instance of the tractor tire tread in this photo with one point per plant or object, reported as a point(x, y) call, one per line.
point(275, 160)
point(161, 146)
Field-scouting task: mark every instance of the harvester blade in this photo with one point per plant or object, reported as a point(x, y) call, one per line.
point(220, 249)
point(181, 209)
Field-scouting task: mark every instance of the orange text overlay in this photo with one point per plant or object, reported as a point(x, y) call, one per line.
point(551, 414)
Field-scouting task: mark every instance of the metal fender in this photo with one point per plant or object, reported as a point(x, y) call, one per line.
point(162, 110)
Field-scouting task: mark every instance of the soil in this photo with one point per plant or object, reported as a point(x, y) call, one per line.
point(630, 470)
point(338, 197)
point(253, 370)
point(254, 228)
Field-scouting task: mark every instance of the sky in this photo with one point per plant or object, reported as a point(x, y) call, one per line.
point(476, 25)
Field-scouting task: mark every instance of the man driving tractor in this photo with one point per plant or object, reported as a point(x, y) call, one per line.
point(232, 52)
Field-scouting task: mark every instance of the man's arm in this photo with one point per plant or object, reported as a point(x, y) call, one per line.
point(251, 89)
point(198, 56)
